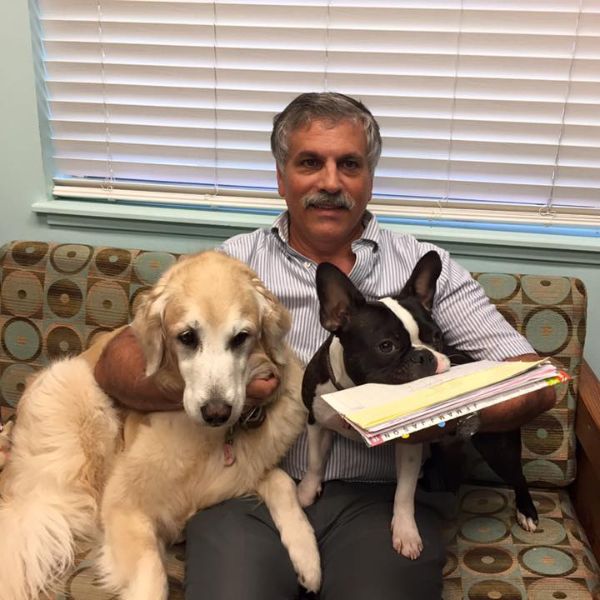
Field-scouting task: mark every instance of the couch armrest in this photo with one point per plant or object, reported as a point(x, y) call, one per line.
point(586, 488)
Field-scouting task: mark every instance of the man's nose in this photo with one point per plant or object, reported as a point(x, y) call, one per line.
point(330, 180)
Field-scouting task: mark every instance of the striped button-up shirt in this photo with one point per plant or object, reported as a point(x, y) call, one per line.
point(384, 262)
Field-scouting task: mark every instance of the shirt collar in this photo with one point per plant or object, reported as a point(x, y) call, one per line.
point(371, 233)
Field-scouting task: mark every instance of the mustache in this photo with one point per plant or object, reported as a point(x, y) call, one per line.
point(325, 200)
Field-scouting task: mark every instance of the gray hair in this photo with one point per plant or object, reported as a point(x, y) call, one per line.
point(323, 106)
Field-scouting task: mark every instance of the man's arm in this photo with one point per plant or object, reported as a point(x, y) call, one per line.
point(505, 416)
point(120, 372)
point(518, 411)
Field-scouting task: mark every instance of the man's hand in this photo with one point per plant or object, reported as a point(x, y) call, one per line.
point(259, 389)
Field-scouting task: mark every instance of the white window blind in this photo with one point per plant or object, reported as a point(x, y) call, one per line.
point(489, 109)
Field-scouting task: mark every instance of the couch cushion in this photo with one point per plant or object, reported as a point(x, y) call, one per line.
point(489, 555)
point(56, 297)
point(551, 313)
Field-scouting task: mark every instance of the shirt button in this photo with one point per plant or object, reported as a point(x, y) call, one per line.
point(307, 265)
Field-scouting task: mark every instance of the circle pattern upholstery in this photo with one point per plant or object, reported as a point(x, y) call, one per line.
point(550, 312)
point(490, 556)
point(55, 298)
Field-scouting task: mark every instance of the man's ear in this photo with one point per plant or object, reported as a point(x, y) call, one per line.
point(280, 183)
point(423, 279)
point(338, 297)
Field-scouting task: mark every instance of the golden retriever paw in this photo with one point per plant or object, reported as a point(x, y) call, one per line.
point(309, 572)
point(301, 545)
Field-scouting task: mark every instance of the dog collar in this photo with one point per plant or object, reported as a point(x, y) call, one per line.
point(250, 419)
point(253, 418)
point(338, 386)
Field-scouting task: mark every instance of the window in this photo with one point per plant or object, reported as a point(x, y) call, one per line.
point(489, 109)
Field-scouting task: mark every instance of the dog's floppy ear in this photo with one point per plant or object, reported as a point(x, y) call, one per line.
point(148, 327)
point(338, 297)
point(275, 323)
point(423, 279)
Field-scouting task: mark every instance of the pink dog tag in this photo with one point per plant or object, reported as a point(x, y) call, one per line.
point(228, 454)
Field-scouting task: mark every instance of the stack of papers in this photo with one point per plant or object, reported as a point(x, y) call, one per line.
point(382, 412)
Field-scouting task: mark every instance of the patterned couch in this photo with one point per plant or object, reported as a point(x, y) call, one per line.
point(56, 298)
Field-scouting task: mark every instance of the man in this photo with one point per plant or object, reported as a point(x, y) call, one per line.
point(326, 147)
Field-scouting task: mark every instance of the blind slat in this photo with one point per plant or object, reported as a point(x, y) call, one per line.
point(488, 102)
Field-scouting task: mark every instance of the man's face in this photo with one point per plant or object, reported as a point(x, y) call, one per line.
point(326, 166)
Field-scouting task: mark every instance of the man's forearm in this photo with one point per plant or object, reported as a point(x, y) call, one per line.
point(505, 416)
point(518, 411)
point(120, 372)
point(144, 395)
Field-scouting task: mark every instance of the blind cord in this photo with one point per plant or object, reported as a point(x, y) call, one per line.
point(548, 210)
point(215, 102)
point(108, 183)
point(444, 201)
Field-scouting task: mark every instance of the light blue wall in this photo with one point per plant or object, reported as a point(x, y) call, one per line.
point(23, 184)
point(22, 181)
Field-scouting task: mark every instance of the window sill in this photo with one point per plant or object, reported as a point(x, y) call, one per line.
point(223, 223)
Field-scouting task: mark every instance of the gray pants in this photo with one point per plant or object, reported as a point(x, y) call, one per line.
point(234, 551)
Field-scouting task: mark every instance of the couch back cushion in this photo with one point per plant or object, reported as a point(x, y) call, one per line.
point(550, 311)
point(56, 297)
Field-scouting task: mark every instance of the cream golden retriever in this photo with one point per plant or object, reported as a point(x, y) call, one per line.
point(76, 473)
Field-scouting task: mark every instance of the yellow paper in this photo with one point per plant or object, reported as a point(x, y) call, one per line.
point(370, 417)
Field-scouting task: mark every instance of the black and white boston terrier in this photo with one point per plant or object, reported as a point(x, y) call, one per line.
point(390, 341)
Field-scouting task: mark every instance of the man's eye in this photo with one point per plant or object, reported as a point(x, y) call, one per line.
point(310, 163)
point(188, 338)
point(386, 346)
point(238, 339)
point(351, 164)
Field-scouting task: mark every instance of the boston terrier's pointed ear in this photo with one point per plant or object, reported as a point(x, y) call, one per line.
point(423, 279)
point(337, 296)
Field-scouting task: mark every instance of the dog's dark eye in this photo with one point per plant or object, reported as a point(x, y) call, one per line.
point(238, 339)
point(188, 338)
point(386, 346)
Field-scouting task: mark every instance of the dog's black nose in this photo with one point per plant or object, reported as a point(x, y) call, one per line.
point(216, 413)
point(423, 357)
